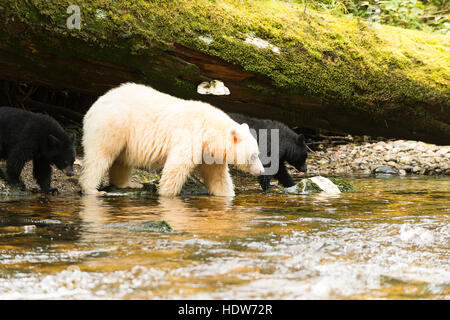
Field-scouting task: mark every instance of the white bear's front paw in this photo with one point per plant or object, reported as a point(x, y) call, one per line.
point(94, 192)
point(222, 193)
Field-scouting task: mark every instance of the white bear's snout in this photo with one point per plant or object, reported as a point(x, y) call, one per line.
point(257, 169)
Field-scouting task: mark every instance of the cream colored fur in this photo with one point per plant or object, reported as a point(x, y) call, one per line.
point(137, 126)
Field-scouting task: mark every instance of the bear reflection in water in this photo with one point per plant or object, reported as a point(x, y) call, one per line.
point(100, 215)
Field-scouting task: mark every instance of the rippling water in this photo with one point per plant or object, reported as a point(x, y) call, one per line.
point(389, 240)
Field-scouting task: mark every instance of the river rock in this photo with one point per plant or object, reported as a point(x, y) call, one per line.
point(408, 169)
point(385, 170)
point(7, 190)
point(147, 226)
point(151, 226)
point(320, 184)
point(192, 186)
point(416, 169)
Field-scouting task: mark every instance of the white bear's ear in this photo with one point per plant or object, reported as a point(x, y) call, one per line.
point(245, 126)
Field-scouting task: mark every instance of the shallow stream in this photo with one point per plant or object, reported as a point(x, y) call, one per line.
point(388, 240)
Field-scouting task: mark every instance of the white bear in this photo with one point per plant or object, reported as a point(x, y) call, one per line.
point(136, 126)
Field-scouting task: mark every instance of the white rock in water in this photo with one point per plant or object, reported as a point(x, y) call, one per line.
point(292, 189)
point(214, 87)
point(325, 184)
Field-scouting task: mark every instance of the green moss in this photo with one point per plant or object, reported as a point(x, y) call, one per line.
point(160, 226)
point(337, 60)
point(152, 226)
point(311, 187)
point(193, 186)
point(306, 186)
point(150, 181)
point(343, 185)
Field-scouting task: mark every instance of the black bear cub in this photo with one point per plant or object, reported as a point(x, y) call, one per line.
point(292, 148)
point(26, 136)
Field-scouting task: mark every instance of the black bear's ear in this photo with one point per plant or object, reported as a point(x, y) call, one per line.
point(73, 138)
point(300, 139)
point(53, 141)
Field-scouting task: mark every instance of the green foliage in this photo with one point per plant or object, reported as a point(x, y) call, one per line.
point(411, 14)
point(336, 6)
point(428, 15)
point(330, 58)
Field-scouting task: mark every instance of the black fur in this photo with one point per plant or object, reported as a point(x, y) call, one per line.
point(26, 136)
point(292, 150)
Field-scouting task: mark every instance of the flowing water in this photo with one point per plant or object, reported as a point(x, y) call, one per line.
point(388, 240)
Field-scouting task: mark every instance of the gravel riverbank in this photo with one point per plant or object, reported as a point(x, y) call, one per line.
point(398, 157)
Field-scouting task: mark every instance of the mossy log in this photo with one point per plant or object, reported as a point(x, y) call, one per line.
point(316, 70)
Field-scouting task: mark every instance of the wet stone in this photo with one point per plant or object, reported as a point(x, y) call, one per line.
point(319, 184)
point(408, 169)
point(7, 190)
point(148, 226)
point(150, 188)
point(343, 185)
point(385, 170)
point(193, 186)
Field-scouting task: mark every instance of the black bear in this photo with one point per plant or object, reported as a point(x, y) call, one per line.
point(292, 148)
point(26, 136)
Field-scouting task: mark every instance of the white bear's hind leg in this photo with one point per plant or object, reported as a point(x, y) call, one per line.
point(103, 143)
point(119, 175)
point(94, 169)
point(217, 179)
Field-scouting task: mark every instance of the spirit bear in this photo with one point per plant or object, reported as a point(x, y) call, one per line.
point(136, 126)
point(26, 136)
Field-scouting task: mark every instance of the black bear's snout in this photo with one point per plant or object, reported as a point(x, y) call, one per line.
point(303, 168)
point(68, 171)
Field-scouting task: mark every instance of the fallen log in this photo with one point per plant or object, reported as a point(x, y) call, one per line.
point(307, 69)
